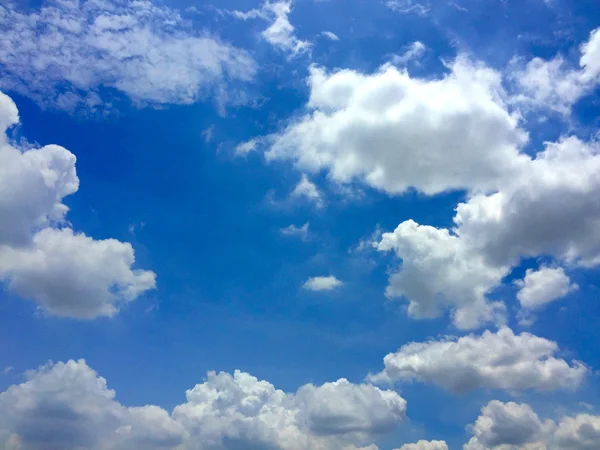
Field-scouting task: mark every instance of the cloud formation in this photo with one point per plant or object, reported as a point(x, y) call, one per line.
point(543, 286)
point(328, 283)
point(67, 52)
point(68, 406)
point(65, 273)
point(500, 360)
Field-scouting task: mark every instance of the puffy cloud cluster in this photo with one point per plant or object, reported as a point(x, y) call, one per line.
point(63, 53)
point(68, 406)
point(513, 426)
point(425, 445)
point(280, 32)
point(500, 360)
point(554, 84)
point(65, 273)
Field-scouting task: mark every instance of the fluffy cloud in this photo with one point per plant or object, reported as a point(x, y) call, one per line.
point(543, 286)
point(556, 85)
point(322, 283)
point(425, 445)
point(394, 132)
point(65, 52)
point(280, 32)
point(65, 273)
point(549, 207)
point(500, 360)
point(68, 406)
point(512, 426)
point(438, 272)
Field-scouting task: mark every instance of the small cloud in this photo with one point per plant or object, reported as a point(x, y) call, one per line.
point(368, 243)
point(307, 189)
point(408, 7)
point(8, 370)
point(414, 51)
point(322, 283)
point(330, 35)
point(457, 6)
point(208, 134)
point(293, 230)
point(134, 227)
point(246, 147)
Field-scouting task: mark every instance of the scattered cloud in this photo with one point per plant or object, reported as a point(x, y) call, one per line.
point(425, 445)
point(293, 230)
point(543, 286)
point(331, 36)
point(280, 32)
point(500, 360)
point(414, 51)
point(408, 7)
point(68, 406)
point(308, 190)
point(554, 84)
point(328, 283)
point(65, 273)
point(144, 51)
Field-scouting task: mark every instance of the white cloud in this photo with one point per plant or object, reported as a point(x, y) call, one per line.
point(513, 426)
point(308, 190)
point(548, 207)
point(145, 51)
point(65, 273)
point(439, 272)
point(543, 286)
point(556, 85)
point(331, 36)
point(425, 445)
point(408, 6)
point(414, 51)
point(322, 283)
point(394, 132)
point(500, 360)
point(293, 230)
point(280, 32)
point(68, 406)
point(73, 275)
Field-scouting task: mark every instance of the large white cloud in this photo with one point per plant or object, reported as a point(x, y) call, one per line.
point(68, 406)
point(64, 52)
point(65, 273)
point(513, 426)
point(556, 85)
point(500, 360)
point(549, 207)
point(395, 132)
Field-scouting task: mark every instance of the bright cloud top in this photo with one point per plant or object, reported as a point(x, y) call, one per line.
point(543, 286)
point(506, 426)
point(500, 360)
point(65, 52)
point(66, 273)
point(68, 406)
point(425, 445)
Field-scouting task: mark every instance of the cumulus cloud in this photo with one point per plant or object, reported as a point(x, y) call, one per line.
point(395, 132)
point(511, 426)
point(64, 53)
point(65, 273)
point(308, 190)
point(500, 360)
point(68, 406)
point(554, 83)
point(322, 283)
point(543, 286)
point(293, 230)
point(549, 207)
point(280, 32)
point(414, 51)
point(425, 445)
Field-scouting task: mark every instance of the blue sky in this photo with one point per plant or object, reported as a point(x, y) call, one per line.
point(295, 190)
